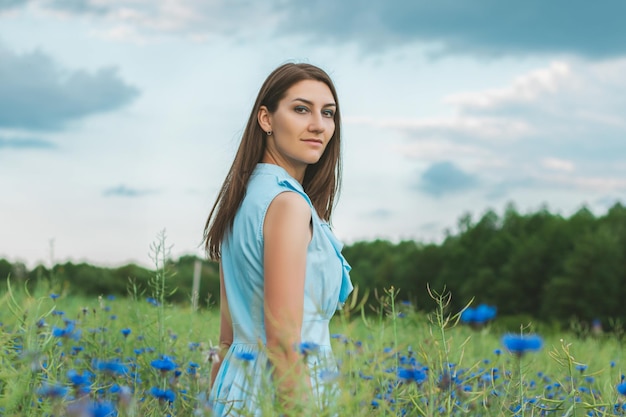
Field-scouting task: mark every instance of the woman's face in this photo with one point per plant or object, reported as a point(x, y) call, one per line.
point(302, 126)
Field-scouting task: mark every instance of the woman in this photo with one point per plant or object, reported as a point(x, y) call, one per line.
point(282, 274)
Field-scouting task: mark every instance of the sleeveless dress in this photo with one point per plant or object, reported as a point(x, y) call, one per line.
point(243, 383)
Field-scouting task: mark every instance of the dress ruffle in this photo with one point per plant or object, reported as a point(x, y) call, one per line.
point(346, 282)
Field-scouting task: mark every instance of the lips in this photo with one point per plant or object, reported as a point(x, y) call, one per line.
point(313, 141)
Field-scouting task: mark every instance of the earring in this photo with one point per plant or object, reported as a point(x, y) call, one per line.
point(269, 133)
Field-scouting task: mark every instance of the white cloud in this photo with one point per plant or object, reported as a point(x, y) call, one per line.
point(557, 164)
point(483, 128)
point(527, 88)
point(604, 184)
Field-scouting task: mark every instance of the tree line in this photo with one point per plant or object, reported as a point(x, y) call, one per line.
point(538, 264)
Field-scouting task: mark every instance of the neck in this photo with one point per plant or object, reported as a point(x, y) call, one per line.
point(297, 172)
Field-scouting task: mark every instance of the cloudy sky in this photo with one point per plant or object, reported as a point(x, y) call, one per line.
point(120, 118)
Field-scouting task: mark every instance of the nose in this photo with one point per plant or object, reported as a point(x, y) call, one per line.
point(317, 124)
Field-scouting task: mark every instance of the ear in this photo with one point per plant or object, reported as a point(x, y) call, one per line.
point(264, 118)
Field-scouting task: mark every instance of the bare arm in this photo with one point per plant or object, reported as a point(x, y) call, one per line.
point(286, 234)
point(226, 327)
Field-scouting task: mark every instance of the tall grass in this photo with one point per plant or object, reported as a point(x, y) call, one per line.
point(68, 356)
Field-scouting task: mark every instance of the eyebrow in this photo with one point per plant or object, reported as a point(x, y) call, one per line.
point(310, 103)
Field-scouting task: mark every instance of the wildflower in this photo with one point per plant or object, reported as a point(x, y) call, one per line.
point(520, 344)
point(365, 377)
point(245, 356)
point(163, 394)
point(328, 375)
point(582, 368)
point(54, 296)
point(213, 355)
point(192, 368)
point(93, 409)
point(621, 388)
point(112, 367)
point(165, 364)
point(77, 379)
point(152, 301)
point(69, 332)
point(52, 391)
point(412, 375)
point(479, 316)
point(124, 395)
point(125, 332)
point(306, 348)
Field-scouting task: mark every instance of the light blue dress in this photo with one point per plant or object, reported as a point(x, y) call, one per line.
point(243, 385)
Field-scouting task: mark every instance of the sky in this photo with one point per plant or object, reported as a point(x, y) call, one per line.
point(120, 118)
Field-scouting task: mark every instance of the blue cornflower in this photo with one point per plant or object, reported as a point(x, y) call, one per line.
point(152, 301)
point(101, 409)
point(125, 332)
point(245, 356)
point(113, 367)
point(411, 375)
point(328, 375)
point(165, 364)
point(52, 391)
point(478, 316)
point(54, 296)
point(621, 388)
point(307, 348)
point(69, 332)
point(365, 377)
point(78, 379)
point(192, 368)
point(163, 394)
point(520, 344)
point(582, 368)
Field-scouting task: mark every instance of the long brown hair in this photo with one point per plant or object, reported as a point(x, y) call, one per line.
point(321, 180)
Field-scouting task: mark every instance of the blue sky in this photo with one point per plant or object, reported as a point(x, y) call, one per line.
point(120, 118)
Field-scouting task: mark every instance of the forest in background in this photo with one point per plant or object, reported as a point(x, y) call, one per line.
point(540, 265)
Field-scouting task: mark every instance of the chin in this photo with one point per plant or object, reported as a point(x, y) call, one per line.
point(313, 161)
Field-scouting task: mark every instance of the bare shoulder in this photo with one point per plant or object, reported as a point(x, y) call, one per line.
point(288, 209)
point(290, 203)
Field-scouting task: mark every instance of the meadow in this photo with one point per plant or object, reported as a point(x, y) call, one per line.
point(137, 356)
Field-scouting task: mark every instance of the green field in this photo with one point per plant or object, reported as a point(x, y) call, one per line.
point(70, 356)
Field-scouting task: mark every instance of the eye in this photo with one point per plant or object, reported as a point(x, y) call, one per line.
point(301, 109)
point(328, 113)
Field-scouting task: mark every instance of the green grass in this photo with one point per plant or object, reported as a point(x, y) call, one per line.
point(452, 369)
